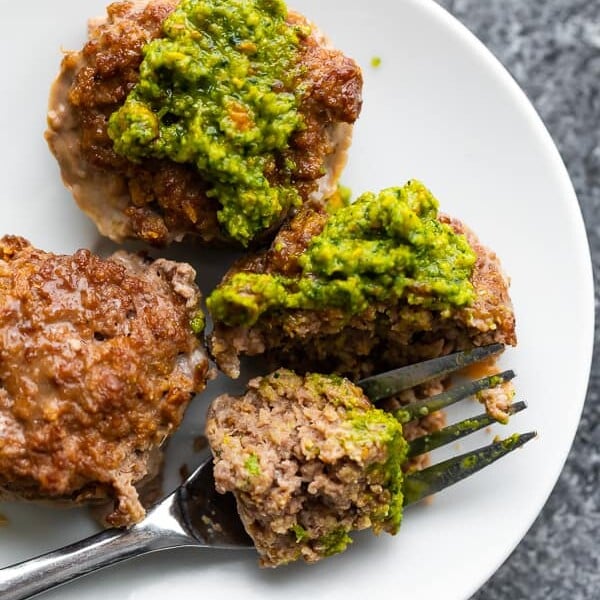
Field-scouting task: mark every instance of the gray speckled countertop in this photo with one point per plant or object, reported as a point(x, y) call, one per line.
point(552, 48)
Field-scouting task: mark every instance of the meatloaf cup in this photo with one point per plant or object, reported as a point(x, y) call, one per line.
point(151, 151)
point(381, 283)
point(98, 361)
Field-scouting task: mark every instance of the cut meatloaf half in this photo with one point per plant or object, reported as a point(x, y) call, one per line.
point(384, 336)
point(97, 365)
point(309, 460)
point(160, 201)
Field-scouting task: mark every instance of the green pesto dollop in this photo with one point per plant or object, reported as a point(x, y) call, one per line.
point(214, 92)
point(385, 247)
point(198, 322)
point(341, 198)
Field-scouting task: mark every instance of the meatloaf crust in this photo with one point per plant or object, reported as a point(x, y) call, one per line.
point(97, 365)
point(159, 201)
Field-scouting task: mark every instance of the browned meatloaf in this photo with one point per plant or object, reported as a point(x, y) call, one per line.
point(97, 365)
point(158, 200)
point(309, 460)
point(383, 336)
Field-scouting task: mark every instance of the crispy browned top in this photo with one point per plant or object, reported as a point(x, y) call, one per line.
point(97, 365)
point(165, 196)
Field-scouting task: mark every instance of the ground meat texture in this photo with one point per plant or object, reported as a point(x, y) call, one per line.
point(159, 201)
point(97, 365)
point(383, 337)
point(309, 459)
point(498, 400)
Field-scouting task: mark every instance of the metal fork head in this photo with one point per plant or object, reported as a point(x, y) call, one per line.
point(196, 515)
point(207, 516)
point(212, 520)
point(420, 484)
point(384, 385)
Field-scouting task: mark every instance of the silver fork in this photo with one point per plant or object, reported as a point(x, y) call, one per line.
point(196, 515)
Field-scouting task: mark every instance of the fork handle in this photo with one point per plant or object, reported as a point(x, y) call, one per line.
point(31, 577)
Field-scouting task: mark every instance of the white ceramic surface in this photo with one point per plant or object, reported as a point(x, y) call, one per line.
point(439, 108)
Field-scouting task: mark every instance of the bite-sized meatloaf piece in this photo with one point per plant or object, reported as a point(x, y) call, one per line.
point(98, 362)
point(224, 136)
point(309, 460)
point(381, 283)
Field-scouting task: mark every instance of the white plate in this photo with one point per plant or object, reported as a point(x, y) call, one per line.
point(439, 108)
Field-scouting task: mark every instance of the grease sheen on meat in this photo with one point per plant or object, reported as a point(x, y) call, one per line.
point(158, 200)
point(97, 365)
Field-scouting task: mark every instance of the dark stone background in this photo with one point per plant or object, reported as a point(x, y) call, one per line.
point(552, 48)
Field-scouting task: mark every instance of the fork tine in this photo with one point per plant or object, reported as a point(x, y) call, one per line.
point(387, 384)
point(430, 442)
point(422, 408)
point(423, 483)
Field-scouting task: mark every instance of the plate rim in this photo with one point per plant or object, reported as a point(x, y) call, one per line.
point(502, 73)
point(438, 14)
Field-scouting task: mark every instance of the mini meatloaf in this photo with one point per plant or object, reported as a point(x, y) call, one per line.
point(159, 198)
point(384, 282)
point(309, 460)
point(98, 362)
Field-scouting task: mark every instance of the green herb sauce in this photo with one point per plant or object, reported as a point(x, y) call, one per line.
point(252, 465)
point(214, 92)
point(386, 247)
point(379, 425)
point(333, 543)
point(198, 323)
point(300, 533)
